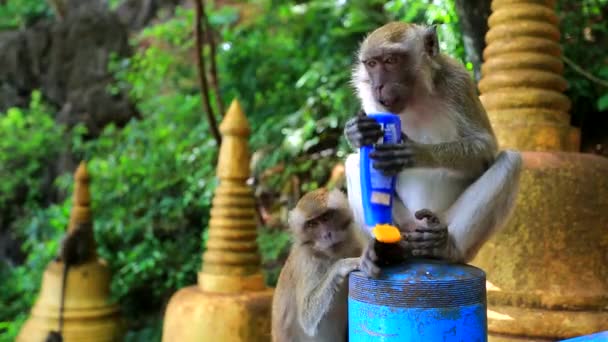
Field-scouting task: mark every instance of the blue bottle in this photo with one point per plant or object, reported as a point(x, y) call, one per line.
point(418, 301)
point(377, 189)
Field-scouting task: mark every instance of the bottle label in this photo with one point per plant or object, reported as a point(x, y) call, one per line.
point(379, 181)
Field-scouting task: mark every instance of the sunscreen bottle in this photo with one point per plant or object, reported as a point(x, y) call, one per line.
point(377, 189)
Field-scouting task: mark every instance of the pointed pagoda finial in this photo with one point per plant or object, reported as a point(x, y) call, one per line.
point(231, 262)
point(233, 159)
point(235, 122)
point(81, 211)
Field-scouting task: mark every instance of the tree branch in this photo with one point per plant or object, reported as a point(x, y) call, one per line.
point(213, 52)
point(202, 78)
point(582, 71)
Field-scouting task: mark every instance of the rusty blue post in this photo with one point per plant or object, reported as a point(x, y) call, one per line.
point(421, 301)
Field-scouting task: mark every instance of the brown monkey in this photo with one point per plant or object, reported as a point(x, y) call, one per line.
point(310, 300)
point(76, 249)
point(454, 189)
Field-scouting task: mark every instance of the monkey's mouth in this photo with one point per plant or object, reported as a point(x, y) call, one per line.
point(330, 245)
point(391, 100)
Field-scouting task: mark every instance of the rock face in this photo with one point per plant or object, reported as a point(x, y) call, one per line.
point(68, 61)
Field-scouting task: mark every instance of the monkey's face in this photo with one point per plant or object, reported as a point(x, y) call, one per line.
point(326, 232)
point(395, 63)
point(390, 76)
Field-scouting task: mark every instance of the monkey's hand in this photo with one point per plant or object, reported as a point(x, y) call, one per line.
point(362, 130)
point(391, 159)
point(380, 254)
point(429, 240)
point(368, 261)
point(348, 265)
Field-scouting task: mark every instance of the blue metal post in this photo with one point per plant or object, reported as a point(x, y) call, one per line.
point(598, 337)
point(419, 301)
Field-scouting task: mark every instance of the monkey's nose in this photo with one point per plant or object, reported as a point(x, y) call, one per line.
point(387, 101)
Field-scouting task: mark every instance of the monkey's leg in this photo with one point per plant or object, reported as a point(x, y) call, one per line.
point(483, 207)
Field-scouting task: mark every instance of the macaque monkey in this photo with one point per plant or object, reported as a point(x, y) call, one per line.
point(76, 249)
point(310, 300)
point(453, 189)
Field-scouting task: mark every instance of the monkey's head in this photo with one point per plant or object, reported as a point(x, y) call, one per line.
point(321, 220)
point(395, 62)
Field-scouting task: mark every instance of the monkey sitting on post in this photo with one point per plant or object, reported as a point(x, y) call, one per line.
point(453, 189)
point(310, 299)
point(76, 249)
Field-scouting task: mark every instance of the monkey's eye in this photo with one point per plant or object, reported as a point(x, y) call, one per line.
point(310, 224)
point(390, 60)
point(326, 216)
point(371, 63)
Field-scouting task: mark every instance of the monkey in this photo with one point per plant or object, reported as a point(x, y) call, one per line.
point(76, 249)
point(454, 189)
point(310, 299)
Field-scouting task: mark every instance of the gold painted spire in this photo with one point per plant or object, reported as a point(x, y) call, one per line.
point(81, 207)
point(231, 261)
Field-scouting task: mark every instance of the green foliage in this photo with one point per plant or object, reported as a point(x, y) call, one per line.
point(19, 13)
point(30, 138)
point(273, 245)
point(154, 178)
point(584, 41)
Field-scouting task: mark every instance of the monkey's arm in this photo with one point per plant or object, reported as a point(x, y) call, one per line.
point(470, 154)
point(480, 211)
point(466, 153)
point(317, 297)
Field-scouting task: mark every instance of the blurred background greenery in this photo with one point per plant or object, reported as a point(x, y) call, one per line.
point(153, 174)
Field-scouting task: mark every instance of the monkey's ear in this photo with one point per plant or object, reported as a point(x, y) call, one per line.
point(296, 219)
point(431, 43)
point(337, 200)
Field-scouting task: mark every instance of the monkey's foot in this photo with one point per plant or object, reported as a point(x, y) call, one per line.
point(428, 240)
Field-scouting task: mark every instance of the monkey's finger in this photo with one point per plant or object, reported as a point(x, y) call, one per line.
point(365, 122)
point(425, 236)
point(435, 229)
point(391, 149)
point(427, 214)
point(392, 171)
point(353, 132)
point(403, 155)
point(428, 244)
point(389, 165)
point(370, 269)
point(422, 252)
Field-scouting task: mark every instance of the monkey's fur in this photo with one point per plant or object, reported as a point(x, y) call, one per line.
point(454, 189)
point(310, 300)
point(76, 249)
